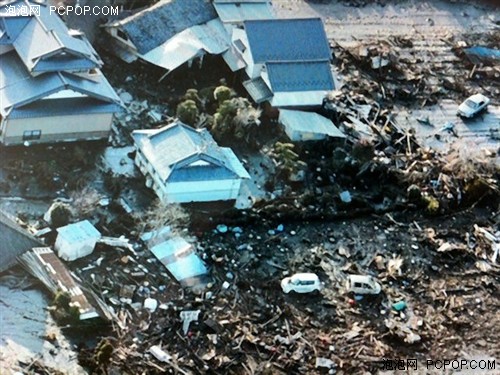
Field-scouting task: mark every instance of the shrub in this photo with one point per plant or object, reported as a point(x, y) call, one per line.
point(60, 214)
point(187, 112)
point(223, 93)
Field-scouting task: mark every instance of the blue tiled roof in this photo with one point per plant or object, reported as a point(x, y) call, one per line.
point(172, 149)
point(61, 107)
point(300, 76)
point(287, 40)
point(61, 63)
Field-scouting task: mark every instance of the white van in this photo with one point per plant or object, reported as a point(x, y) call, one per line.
point(360, 284)
point(301, 283)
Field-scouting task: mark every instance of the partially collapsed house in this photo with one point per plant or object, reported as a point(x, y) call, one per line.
point(43, 264)
point(287, 61)
point(51, 87)
point(169, 33)
point(14, 241)
point(183, 164)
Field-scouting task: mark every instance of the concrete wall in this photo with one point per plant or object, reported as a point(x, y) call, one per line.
point(58, 128)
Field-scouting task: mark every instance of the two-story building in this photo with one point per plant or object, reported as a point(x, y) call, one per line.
point(51, 86)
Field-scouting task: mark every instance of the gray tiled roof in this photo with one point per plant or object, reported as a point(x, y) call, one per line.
point(13, 241)
point(157, 24)
point(172, 149)
point(287, 40)
point(37, 37)
point(18, 87)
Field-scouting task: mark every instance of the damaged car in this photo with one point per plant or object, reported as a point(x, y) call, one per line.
point(473, 105)
point(360, 284)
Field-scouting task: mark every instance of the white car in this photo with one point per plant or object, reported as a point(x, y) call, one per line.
point(301, 283)
point(360, 284)
point(473, 105)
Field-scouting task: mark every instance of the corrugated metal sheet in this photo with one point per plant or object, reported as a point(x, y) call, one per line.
point(239, 11)
point(300, 125)
point(209, 38)
point(258, 90)
point(298, 99)
point(180, 259)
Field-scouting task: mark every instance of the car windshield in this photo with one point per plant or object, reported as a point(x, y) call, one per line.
point(470, 103)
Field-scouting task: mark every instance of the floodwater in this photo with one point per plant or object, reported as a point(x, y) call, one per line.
point(25, 324)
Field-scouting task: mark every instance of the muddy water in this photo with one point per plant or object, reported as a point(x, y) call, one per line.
point(25, 324)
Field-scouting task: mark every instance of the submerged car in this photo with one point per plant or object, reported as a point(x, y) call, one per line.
point(360, 284)
point(473, 105)
point(301, 283)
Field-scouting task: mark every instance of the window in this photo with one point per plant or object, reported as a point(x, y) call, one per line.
point(121, 35)
point(30, 135)
point(240, 45)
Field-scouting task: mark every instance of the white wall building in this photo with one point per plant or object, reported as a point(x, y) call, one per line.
point(182, 164)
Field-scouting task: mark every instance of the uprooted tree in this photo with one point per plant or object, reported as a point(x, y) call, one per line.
point(161, 214)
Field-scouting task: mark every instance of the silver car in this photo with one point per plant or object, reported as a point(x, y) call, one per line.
point(473, 105)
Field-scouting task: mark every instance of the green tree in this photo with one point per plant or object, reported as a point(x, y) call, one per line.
point(192, 94)
point(236, 118)
point(103, 353)
point(60, 214)
point(223, 93)
point(287, 160)
point(187, 112)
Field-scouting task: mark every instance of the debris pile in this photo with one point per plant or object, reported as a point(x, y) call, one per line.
point(243, 320)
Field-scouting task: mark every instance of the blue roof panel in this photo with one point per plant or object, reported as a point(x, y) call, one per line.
point(62, 107)
point(304, 76)
point(287, 40)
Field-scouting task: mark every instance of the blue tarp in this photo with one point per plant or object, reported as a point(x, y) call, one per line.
point(483, 53)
